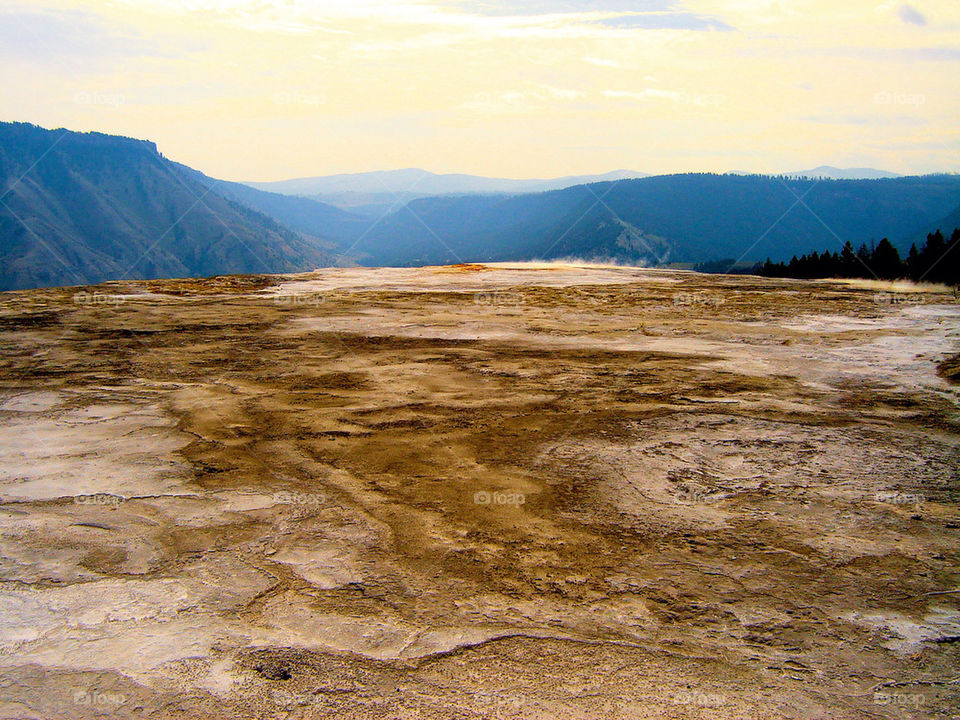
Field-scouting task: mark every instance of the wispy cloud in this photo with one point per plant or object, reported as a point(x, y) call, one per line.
point(664, 21)
point(911, 15)
point(75, 40)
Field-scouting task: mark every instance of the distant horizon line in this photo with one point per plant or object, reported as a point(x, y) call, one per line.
point(642, 174)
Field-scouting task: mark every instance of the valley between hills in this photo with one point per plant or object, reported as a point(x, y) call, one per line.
point(480, 491)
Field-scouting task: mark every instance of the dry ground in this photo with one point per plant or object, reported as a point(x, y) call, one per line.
point(480, 492)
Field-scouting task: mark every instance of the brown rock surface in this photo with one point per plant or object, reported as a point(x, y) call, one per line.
point(479, 492)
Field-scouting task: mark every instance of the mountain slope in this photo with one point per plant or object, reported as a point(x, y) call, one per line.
point(945, 225)
point(320, 220)
point(664, 218)
point(80, 208)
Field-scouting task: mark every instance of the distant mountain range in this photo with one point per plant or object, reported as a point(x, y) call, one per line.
point(832, 173)
point(423, 183)
point(667, 218)
point(374, 193)
point(79, 208)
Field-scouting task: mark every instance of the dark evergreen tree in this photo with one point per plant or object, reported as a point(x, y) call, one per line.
point(930, 256)
point(947, 268)
point(913, 262)
point(848, 261)
point(885, 261)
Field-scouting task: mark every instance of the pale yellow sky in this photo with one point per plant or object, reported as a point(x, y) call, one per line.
point(273, 89)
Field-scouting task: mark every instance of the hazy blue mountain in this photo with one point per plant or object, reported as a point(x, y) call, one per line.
point(945, 224)
point(325, 222)
point(366, 204)
point(420, 183)
point(833, 173)
point(80, 208)
point(687, 218)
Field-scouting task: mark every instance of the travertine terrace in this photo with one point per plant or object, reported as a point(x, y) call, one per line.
point(480, 492)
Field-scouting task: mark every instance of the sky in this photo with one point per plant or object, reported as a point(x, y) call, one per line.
point(261, 90)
